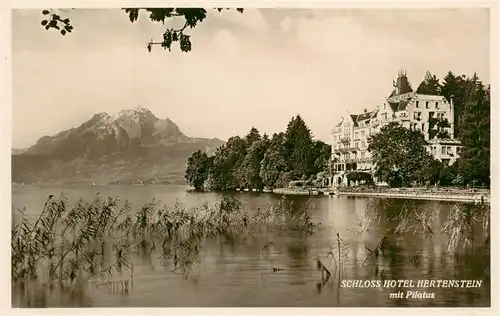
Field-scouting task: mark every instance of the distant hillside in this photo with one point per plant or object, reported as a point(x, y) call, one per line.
point(132, 146)
point(18, 151)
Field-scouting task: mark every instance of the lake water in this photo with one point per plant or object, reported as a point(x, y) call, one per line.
point(239, 275)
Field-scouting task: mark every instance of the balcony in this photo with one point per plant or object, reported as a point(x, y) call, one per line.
point(357, 160)
point(341, 151)
point(345, 140)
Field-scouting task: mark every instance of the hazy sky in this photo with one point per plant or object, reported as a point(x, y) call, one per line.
point(257, 69)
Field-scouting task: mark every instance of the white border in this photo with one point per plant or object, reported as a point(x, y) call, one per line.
point(5, 144)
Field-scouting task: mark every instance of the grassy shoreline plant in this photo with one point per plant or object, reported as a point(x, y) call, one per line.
point(96, 243)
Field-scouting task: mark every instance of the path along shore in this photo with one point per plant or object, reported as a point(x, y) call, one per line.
point(455, 195)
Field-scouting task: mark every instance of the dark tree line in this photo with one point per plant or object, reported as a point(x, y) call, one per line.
point(401, 156)
point(257, 161)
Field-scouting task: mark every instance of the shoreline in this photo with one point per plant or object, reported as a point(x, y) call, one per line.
point(441, 194)
point(422, 196)
point(460, 195)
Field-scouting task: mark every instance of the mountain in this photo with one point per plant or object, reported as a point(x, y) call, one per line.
point(129, 147)
point(18, 151)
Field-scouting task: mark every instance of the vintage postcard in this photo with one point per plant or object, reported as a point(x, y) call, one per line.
point(279, 156)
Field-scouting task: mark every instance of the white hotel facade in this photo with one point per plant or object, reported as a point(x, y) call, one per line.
point(431, 114)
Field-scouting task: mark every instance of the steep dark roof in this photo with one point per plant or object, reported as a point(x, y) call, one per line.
point(398, 106)
point(361, 117)
point(402, 85)
point(354, 119)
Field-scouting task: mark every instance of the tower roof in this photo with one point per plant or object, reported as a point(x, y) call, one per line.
point(402, 84)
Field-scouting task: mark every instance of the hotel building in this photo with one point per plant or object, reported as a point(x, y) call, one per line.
point(433, 115)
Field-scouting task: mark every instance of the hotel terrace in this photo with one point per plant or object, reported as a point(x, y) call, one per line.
point(431, 114)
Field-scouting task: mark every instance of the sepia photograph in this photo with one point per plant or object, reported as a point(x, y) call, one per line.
point(251, 157)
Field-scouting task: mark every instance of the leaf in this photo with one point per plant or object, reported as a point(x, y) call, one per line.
point(44, 22)
point(185, 43)
point(45, 12)
point(63, 32)
point(133, 14)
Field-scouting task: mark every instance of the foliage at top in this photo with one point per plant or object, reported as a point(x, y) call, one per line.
point(192, 17)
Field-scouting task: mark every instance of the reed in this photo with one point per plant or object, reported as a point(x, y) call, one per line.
point(94, 244)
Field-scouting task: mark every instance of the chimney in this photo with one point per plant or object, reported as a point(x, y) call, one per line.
point(365, 110)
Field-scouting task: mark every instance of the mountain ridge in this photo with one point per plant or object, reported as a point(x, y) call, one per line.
point(131, 146)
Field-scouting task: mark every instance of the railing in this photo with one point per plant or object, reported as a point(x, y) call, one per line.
point(357, 160)
point(345, 140)
point(341, 151)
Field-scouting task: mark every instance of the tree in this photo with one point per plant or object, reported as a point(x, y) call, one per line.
point(322, 154)
point(298, 145)
point(430, 85)
point(273, 164)
point(197, 170)
point(225, 173)
point(453, 89)
point(360, 176)
point(474, 162)
point(448, 175)
point(252, 136)
point(191, 17)
point(250, 167)
point(400, 156)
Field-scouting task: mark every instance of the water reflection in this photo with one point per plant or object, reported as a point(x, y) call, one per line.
point(285, 273)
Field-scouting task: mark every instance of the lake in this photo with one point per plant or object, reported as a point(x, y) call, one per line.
point(240, 275)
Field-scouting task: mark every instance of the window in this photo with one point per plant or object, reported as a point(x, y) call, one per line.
point(356, 145)
point(437, 105)
point(362, 154)
point(443, 150)
point(416, 115)
point(426, 104)
point(356, 135)
point(384, 116)
point(416, 104)
point(423, 126)
point(431, 114)
point(363, 144)
point(363, 134)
